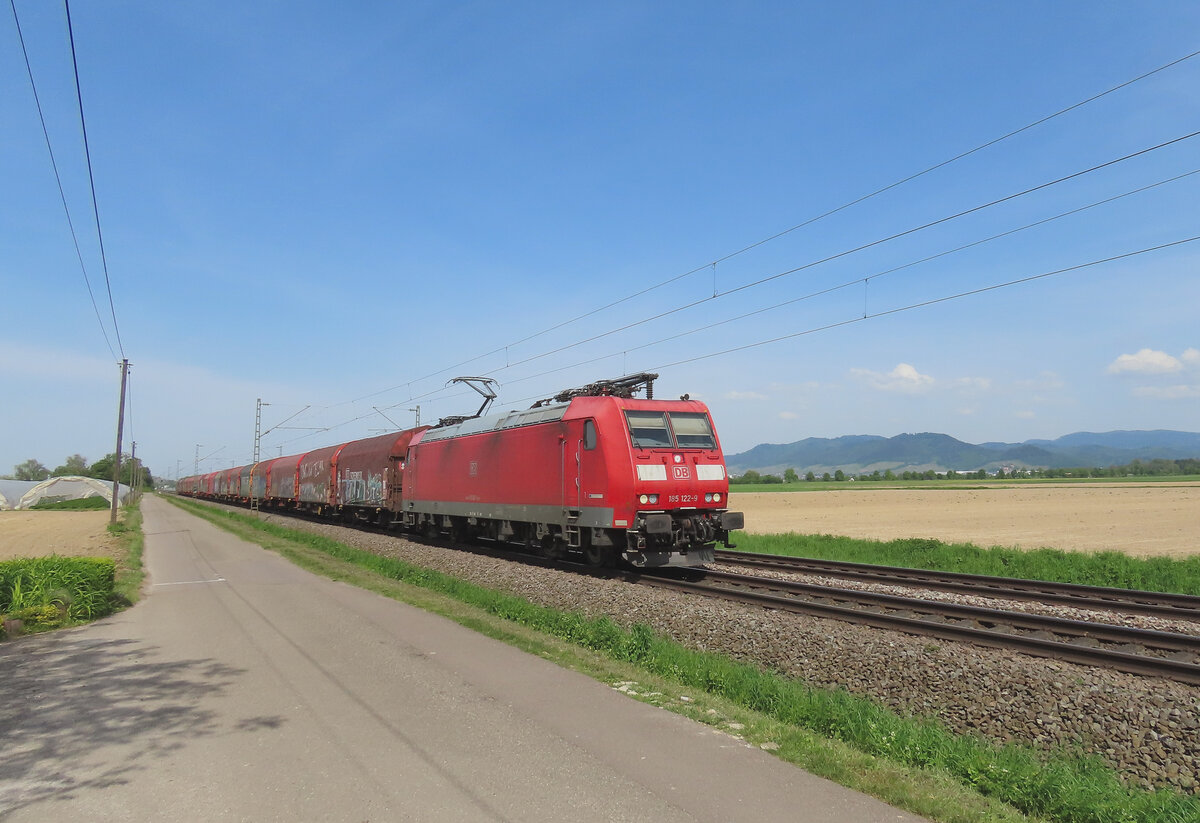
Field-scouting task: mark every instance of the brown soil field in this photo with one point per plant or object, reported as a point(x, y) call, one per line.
point(67, 534)
point(1138, 519)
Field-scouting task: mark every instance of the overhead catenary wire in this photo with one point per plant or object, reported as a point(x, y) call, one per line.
point(935, 301)
point(709, 326)
point(58, 179)
point(812, 264)
point(865, 315)
point(871, 316)
point(846, 252)
point(808, 222)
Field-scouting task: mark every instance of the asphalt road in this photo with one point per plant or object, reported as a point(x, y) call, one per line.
point(243, 688)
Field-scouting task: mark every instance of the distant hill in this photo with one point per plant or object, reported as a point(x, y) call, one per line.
point(857, 454)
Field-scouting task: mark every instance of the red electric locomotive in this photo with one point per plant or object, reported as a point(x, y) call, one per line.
point(594, 471)
point(599, 472)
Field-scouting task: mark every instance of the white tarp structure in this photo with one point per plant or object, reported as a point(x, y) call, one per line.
point(11, 492)
point(64, 488)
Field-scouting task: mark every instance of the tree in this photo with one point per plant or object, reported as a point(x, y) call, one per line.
point(810, 477)
point(30, 470)
point(102, 469)
point(839, 475)
point(825, 477)
point(790, 476)
point(76, 465)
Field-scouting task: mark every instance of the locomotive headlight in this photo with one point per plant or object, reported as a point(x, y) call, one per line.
point(654, 498)
point(708, 498)
point(644, 499)
point(716, 497)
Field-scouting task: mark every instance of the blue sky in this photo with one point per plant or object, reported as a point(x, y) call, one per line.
point(342, 208)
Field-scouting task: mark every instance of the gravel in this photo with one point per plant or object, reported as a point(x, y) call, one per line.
point(1147, 729)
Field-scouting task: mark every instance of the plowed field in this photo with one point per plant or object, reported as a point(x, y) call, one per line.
point(69, 534)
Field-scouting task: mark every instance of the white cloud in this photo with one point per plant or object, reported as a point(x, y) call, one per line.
point(1026, 415)
point(904, 379)
point(1147, 361)
point(744, 395)
point(787, 415)
point(1191, 357)
point(1167, 392)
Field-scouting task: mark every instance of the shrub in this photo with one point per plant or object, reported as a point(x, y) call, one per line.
point(78, 588)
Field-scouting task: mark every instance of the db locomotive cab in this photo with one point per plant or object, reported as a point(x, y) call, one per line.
point(680, 489)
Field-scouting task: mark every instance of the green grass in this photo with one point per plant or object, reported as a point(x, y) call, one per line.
point(130, 542)
point(79, 504)
point(53, 592)
point(1114, 569)
point(917, 764)
point(47, 592)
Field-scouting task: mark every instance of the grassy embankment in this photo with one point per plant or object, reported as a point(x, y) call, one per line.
point(42, 593)
point(1160, 574)
point(913, 763)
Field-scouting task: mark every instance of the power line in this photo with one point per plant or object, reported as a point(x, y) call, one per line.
point(58, 179)
point(709, 326)
point(808, 222)
point(91, 179)
point(865, 317)
point(844, 253)
point(809, 265)
point(855, 202)
point(933, 302)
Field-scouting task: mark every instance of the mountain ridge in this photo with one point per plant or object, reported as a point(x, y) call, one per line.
point(859, 453)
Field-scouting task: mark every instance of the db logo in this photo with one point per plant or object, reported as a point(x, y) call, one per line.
point(682, 473)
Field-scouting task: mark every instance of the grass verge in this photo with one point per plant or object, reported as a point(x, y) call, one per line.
point(912, 763)
point(128, 556)
point(1160, 574)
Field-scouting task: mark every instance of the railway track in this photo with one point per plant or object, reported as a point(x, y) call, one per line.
point(1131, 601)
point(1136, 651)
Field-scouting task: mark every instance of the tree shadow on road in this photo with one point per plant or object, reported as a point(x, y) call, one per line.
point(66, 697)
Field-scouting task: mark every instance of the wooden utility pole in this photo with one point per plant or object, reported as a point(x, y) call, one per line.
point(120, 431)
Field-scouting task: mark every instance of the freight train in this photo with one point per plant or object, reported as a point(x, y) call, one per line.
point(594, 472)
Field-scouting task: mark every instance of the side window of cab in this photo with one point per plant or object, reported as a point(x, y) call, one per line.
point(590, 438)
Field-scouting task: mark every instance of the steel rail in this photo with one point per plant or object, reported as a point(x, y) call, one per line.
point(1133, 601)
point(868, 610)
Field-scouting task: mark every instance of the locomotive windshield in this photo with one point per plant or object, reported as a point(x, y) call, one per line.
point(692, 430)
point(682, 430)
point(649, 429)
